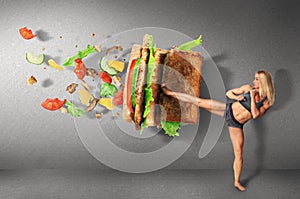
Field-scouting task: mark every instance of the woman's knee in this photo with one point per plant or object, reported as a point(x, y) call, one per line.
point(238, 153)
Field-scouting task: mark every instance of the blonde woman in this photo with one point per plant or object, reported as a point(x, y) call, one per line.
point(251, 102)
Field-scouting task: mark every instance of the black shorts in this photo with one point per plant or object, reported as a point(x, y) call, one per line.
point(229, 118)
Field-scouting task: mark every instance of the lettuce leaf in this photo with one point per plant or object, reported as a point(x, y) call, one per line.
point(108, 90)
point(73, 110)
point(170, 128)
point(135, 72)
point(70, 61)
point(190, 44)
point(150, 73)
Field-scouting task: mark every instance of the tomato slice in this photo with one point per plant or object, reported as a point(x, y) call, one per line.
point(129, 86)
point(118, 98)
point(53, 104)
point(105, 77)
point(80, 70)
point(26, 33)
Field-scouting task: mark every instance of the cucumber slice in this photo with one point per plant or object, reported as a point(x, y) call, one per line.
point(35, 59)
point(106, 68)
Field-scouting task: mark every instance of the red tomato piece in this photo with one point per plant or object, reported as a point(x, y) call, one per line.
point(129, 86)
point(80, 70)
point(118, 98)
point(53, 104)
point(105, 77)
point(26, 33)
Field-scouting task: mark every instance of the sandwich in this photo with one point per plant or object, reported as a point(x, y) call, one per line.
point(144, 103)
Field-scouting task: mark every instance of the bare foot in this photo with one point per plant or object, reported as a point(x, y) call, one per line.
point(239, 186)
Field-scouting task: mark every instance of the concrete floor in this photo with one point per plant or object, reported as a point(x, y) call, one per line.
point(59, 184)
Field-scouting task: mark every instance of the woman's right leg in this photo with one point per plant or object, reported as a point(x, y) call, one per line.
point(237, 140)
point(210, 105)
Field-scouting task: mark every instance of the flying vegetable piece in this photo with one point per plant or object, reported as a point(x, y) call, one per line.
point(53, 104)
point(73, 110)
point(190, 44)
point(80, 70)
point(53, 64)
point(106, 68)
point(105, 77)
point(108, 90)
point(170, 128)
point(70, 61)
point(35, 59)
point(26, 33)
point(118, 98)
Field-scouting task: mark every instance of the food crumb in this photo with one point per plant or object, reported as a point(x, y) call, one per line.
point(91, 72)
point(98, 115)
point(71, 88)
point(76, 46)
point(86, 86)
point(44, 68)
point(63, 110)
point(116, 56)
point(60, 37)
point(117, 114)
point(93, 34)
point(117, 80)
point(98, 48)
point(31, 80)
point(43, 49)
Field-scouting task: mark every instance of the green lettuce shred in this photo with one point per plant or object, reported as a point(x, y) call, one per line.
point(70, 61)
point(73, 110)
point(170, 128)
point(143, 126)
point(150, 72)
point(188, 46)
point(108, 90)
point(135, 72)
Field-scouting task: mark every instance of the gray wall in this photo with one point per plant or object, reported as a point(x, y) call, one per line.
point(241, 37)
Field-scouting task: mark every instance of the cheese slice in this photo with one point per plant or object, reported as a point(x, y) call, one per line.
point(85, 97)
point(118, 65)
point(107, 103)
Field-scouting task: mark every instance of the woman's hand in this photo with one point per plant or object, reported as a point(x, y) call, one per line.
point(240, 98)
point(254, 110)
point(253, 92)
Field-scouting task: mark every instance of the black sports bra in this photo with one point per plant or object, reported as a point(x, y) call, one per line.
point(247, 102)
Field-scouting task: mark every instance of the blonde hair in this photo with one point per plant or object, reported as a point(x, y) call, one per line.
point(266, 88)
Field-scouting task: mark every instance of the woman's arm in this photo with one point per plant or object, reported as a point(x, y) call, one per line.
point(236, 93)
point(254, 110)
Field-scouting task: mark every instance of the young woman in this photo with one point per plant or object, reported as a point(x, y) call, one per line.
point(251, 102)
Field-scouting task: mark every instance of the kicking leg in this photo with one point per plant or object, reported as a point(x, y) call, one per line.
point(210, 105)
point(237, 139)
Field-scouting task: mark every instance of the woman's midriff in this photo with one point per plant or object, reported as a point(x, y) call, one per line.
point(240, 113)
